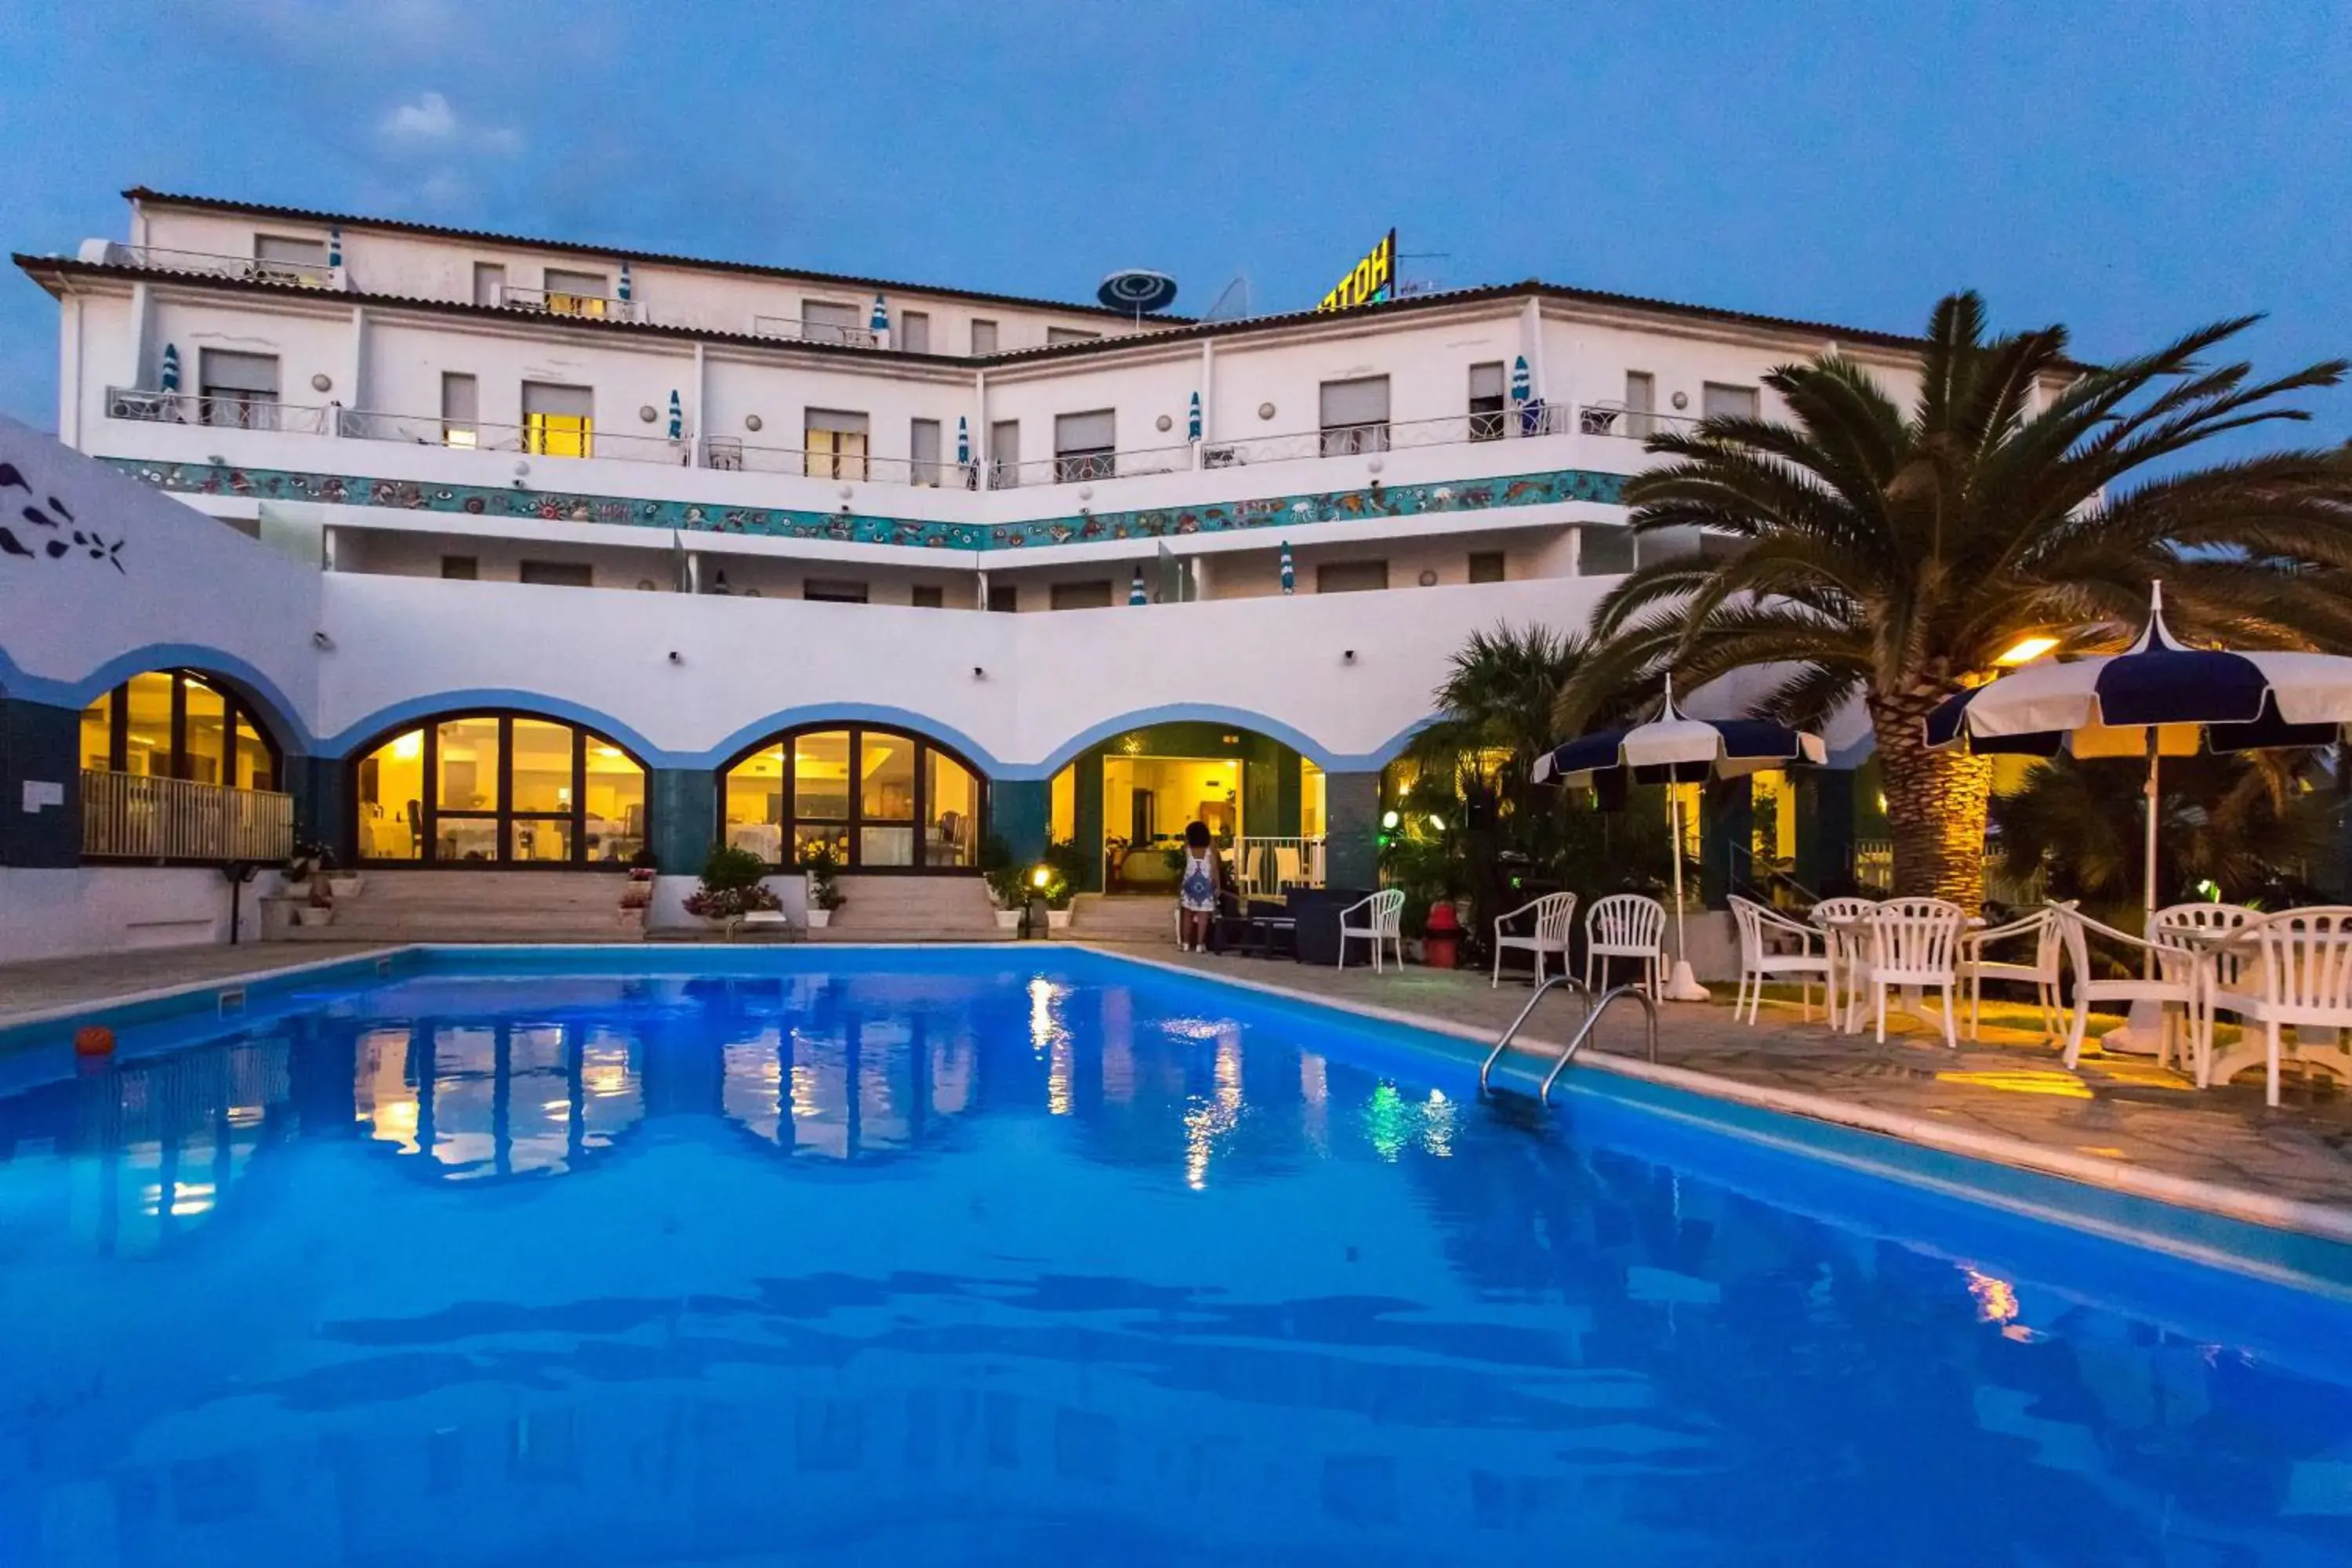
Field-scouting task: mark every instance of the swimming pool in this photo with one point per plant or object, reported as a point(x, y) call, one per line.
point(1024, 1256)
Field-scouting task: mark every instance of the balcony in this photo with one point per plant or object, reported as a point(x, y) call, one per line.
point(473, 435)
point(229, 411)
point(142, 816)
point(796, 330)
point(1632, 424)
point(244, 268)
point(1087, 467)
point(560, 302)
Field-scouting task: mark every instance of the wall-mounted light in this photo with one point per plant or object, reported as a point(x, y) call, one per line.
point(1042, 877)
point(751, 422)
point(322, 640)
point(675, 657)
point(2026, 650)
point(646, 413)
point(1348, 656)
point(1389, 819)
point(322, 381)
point(979, 672)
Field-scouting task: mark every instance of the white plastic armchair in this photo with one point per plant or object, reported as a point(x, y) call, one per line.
point(2169, 977)
point(1626, 925)
point(1916, 942)
point(2043, 972)
point(1759, 925)
point(2300, 975)
point(1383, 922)
point(1849, 954)
point(1554, 919)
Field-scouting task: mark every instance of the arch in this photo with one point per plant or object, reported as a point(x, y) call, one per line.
point(267, 700)
point(182, 722)
point(1305, 745)
point(818, 715)
point(370, 731)
point(881, 797)
point(506, 787)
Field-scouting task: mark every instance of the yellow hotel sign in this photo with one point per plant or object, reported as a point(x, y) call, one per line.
point(1373, 280)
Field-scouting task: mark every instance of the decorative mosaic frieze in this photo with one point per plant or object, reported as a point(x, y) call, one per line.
point(780, 523)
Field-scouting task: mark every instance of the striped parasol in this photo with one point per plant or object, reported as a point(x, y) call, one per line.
point(881, 321)
point(334, 245)
point(1192, 421)
point(1135, 593)
point(624, 282)
point(677, 416)
point(963, 439)
point(1521, 384)
point(170, 378)
point(1289, 570)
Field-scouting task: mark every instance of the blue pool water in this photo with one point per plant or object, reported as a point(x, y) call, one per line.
point(968, 1257)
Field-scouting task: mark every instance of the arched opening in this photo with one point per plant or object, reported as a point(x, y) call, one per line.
point(880, 799)
point(180, 724)
point(499, 789)
point(1127, 802)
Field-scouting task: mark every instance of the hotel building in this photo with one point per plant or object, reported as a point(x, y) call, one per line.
point(529, 554)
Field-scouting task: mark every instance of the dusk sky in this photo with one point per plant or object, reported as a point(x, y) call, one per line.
point(2131, 170)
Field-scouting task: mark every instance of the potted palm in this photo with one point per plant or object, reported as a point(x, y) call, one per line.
point(1065, 864)
point(823, 869)
point(341, 883)
point(1008, 887)
point(730, 888)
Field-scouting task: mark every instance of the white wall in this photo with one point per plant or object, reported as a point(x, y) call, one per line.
point(72, 911)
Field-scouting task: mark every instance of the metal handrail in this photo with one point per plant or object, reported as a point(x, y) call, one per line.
point(252, 268)
point(1594, 1008)
point(799, 328)
point(566, 302)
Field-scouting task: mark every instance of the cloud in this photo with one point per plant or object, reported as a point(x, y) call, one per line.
point(431, 123)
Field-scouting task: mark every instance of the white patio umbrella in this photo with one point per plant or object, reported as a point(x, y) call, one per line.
point(1670, 750)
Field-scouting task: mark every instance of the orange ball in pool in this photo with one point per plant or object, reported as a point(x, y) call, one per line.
point(93, 1040)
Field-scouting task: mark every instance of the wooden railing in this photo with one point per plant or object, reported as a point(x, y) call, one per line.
point(142, 816)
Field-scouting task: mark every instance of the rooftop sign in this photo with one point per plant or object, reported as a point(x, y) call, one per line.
point(1371, 279)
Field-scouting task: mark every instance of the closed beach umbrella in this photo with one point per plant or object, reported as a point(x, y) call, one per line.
point(881, 322)
point(1135, 593)
point(335, 244)
point(1289, 570)
point(1192, 421)
point(171, 381)
point(2158, 698)
point(624, 282)
point(677, 416)
point(1672, 750)
point(963, 439)
point(1520, 383)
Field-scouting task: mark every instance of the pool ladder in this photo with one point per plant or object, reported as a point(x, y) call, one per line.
point(1594, 1006)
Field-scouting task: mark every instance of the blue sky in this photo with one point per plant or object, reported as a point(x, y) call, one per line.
point(2131, 170)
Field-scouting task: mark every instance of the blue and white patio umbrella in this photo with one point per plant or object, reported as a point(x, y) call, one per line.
point(1521, 384)
point(677, 416)
point(1289, 570)
point(1192, 420)
point(1672, 748)
point(2158, 698)
point(1135, 593)
point(881, 321)
point(170, 380)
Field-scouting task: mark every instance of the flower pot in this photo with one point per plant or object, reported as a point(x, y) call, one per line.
point(1057, 919)
point(314, 915)
point(344, 886)
point(1008, 919)
point(819, 919)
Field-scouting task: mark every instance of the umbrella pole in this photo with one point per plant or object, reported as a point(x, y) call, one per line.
point(2147, 890)
point(1684, 985)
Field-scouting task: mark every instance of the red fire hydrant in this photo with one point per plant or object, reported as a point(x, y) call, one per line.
point(1441, 936)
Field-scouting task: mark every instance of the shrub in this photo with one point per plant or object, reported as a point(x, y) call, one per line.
point(730, 886)
point(823, 868)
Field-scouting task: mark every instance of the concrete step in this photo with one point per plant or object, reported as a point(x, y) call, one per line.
point(912, 908)
point(465, 905)
point(1123, 918)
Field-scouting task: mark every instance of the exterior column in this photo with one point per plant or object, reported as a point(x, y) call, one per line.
point(685, 806)
point(1726, 831)
point(1021, 812)
point(40, 747)
point(322, 808)
point(1825, 831)
point(1088, 828)
point(1351, 851)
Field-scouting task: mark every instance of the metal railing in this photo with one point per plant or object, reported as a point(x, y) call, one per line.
point(1873, 863)
point(1085, 468)
point(228, 411)
point(1632, 424)
point(1593, 1007)
point(144, 816)
point(729, 455)
point(1262, 866)
point(793, 329)
point(427, 430)
point(251, 268)
point(563, 303)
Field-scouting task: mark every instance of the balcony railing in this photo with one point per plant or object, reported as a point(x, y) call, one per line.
point(250, 268)
point(795, 328)
point(1086, 468)
point(563, 303)
point(143, 817)
point(475, 435)
point(1263, 866)
point(1634, 423)
point(728, 455)
point(229, 410)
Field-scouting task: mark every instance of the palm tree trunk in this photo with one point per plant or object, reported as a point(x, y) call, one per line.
point(1935, 803)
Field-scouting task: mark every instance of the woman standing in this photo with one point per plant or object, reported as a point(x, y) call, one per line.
point(1196, 889)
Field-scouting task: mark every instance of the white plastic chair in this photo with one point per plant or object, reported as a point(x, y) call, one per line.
point(1916, 942)
point(2043, 973)
point(1626, 925)
point(1386, 924)
point(1555, 921)
point(1758, 924)
point(2173, 983)
point(2302, 975)
point(1849, 954)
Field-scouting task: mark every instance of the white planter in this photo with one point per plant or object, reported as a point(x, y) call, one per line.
point(1008, 919)
point(344, 886)
point(312, 915)
point(819, 919)
point(1057, 919)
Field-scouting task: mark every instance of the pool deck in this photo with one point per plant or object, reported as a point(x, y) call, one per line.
point(2117, 1121)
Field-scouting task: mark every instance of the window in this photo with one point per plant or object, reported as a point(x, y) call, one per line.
point(176, 723)
point(575, 293)
point(560, 574)
point(830, 321)
point(239, 390)
point(558, 421)
point(983, 336)
point(499, 789)
point(461, 409)
point(879, 799)
point(1355, 415)
point(914, 333)
point(1486, 404)
point(1350, 576)
point(1716, 401)
point(1082, 596)
point(1085, 445)
point(282, 259)
point(1005, 598)
point(1070, 335)
point(835, 444)
point(489, 283)
point(461, 568)
point(833, 591)
point(1641, 405)
point(923, 452)
point(1487, 566)
point(929, 597)
point(1004, 454)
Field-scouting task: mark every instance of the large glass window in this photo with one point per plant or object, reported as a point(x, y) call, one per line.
point(879, 799)
point(175, 723)
point(500, 789)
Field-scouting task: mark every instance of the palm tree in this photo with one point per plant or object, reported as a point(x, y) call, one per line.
point(1867, 551)
point(1495, 710)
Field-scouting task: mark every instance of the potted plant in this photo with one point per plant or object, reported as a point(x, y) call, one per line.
point(823, 869)
point(320, 909)
point(307, 853)
point(340, 884)
point(1008, 887)
point(1065, 863)
point(637, 896)
point(730, 886)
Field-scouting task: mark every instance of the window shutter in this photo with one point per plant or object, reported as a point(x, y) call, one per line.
point(560, 281)
point(569, 402)
point(1091, 432)
point(226, 370)
point(1364, 402)
point(914, 333)
point(1719, 402)
point(1486, 380)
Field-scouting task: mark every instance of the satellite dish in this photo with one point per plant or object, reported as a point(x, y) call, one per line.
point(1137, 290)
point(1233, 301)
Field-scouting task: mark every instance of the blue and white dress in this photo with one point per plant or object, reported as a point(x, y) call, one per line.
point(1196, 894)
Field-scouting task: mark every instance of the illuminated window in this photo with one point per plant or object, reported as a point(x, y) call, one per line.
point(558, 421)
point(877, 798)
point(175, 723)
point(500, 789)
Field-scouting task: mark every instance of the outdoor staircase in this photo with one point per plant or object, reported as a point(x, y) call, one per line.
point(479, 906)
point(913, 909)
point(1122, 917)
